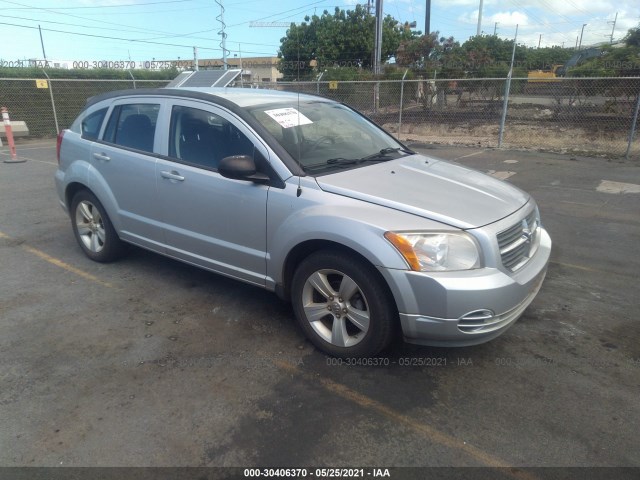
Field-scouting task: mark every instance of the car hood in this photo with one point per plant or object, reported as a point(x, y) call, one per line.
point(430, 188)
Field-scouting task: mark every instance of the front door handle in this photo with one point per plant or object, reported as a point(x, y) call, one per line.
point(173, 175)
point(101, 156)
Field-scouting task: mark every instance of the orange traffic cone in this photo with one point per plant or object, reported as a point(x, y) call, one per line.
point(12, 146)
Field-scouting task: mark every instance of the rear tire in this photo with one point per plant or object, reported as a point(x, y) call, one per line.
point(342, 305)
point(93, 229)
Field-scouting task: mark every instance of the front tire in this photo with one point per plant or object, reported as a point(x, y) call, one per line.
point(342, 305)
point(93, 229)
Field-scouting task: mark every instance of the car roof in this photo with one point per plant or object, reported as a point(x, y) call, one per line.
point(236, 100)
point(248, 97)
point(238, 97)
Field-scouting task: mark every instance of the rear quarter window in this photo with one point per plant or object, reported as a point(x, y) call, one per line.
point(88, 125)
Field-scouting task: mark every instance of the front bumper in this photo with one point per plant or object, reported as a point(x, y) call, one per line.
point(467, 307)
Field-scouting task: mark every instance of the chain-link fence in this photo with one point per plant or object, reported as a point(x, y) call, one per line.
point(49, 105)
point(592, 116)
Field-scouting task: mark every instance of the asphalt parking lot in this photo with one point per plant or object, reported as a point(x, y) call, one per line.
point(149, 362)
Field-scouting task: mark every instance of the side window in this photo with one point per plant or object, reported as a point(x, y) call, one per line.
point(90, 125)
point(133, 126)
point(203, 138)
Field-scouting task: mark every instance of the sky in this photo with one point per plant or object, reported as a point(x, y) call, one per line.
point(143, 30)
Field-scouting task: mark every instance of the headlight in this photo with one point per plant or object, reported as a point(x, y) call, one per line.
point(436, 252)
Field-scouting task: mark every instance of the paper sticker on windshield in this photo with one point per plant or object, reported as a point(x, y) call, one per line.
point(288, 117)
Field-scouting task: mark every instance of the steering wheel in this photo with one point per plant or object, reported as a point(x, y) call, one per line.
point(316, 143)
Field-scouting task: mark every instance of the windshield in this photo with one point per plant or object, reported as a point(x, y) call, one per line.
point(323, 136)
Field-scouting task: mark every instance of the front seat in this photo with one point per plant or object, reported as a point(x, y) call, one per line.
point(136, 132)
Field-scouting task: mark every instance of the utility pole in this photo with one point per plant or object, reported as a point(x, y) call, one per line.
point(378, 54)
point(507, 90)
point(495, 28)
point(241, 72)
point(614, 28)
point(479, 19)
point(378, 39)
point(581, 33)
point(42, 44)
point(427, 18)
point(195, 58)
point(539, 40)
point(223, 43)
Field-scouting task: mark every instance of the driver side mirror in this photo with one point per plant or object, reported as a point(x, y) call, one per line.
point(241, 167)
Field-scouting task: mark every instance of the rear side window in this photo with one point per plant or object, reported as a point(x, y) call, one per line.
point(203, 138)
point(133, 126)
point(90, 125)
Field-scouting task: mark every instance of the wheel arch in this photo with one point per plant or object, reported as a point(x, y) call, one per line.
point(71, 190)
point(100, 190)
point(100, 248)
point(301, 251)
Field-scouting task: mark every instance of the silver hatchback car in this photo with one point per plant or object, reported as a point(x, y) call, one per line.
point(306, 197)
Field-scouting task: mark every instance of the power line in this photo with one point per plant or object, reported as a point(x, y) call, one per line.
point(542, 22)
point(549, 6)
point(85, 18)
point(71, 24)
point(116, 38)
point(279, 13)
point(189, 35)
point(100, 6)
point(578, 8)
point(128, 14)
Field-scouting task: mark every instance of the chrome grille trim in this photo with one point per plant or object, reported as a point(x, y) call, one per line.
point(518, 243)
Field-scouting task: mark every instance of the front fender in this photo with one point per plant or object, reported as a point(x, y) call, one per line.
point(319, 215)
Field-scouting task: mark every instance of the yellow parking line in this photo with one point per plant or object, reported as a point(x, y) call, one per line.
point(422, 428)
point(579, 267)
point(470, 155)
point(59, 263)
point(589, 269)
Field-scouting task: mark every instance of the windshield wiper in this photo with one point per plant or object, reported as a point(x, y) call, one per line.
point(333, 162)
point(342, 161)
point(383, 155)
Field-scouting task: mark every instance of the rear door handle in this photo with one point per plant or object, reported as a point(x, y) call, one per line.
point(101, 156)
point(173, 175)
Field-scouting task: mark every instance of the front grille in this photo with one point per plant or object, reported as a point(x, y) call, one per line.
point(517, 243)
